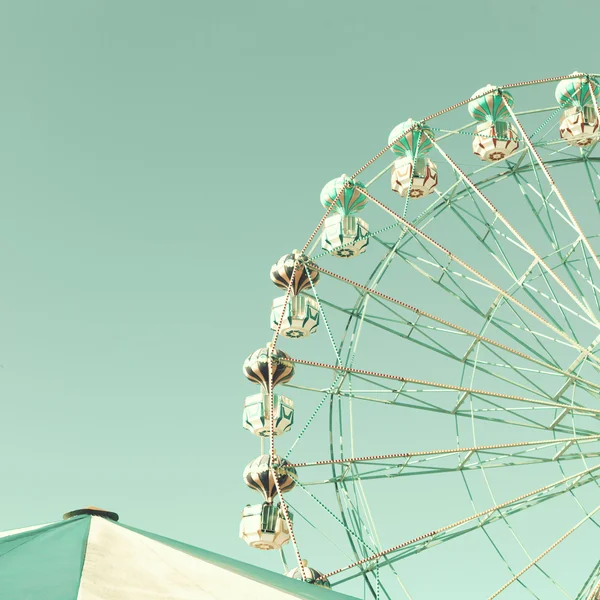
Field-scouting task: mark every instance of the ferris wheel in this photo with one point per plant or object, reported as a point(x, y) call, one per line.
point(430, 390)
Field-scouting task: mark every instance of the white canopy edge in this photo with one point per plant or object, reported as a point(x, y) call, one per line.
point(121, 564)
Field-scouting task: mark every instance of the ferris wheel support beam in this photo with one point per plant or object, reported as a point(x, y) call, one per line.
point(482, 518)
point(537, 258)
point(482, 278)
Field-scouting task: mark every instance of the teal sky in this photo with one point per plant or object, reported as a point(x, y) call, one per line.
point(155, 159)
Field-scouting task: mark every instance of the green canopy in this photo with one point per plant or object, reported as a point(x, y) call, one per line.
point(91, 557)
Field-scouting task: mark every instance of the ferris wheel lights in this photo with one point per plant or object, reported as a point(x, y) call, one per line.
point(310, 575)
point(344, 236)
point(301, 316)
point(258, 475)
point(415, 177)
point(264, 526)
point(257, 414)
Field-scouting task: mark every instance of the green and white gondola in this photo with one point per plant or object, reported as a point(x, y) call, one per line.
point(496, 139)
point(579, 123)
point(414, 174)
point(343, 231)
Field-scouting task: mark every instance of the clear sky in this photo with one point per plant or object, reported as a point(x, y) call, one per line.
point(155, 159)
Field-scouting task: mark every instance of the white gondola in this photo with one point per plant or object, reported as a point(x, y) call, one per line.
point(257, 414)
point(344, 236)
point(264, 527)
point(424, 180)
point(301, 316)
point(579, 126)
point(495, 141)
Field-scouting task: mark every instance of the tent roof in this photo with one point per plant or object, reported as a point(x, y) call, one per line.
point(93, 558)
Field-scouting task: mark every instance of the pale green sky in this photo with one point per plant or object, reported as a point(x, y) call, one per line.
point(155, 159)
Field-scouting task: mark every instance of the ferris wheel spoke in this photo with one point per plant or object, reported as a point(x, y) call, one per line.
point(518, 414)
point(491, 411)
point(476, 521)
point(464, 459)
point(488, 460)
point(544, 553)
point(477, 393)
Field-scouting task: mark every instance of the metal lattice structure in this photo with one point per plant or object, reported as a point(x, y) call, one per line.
point(460, 342)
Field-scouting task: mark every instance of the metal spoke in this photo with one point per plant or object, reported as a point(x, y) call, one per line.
point(480, 519)
point(593, 412)
point(544, 553)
